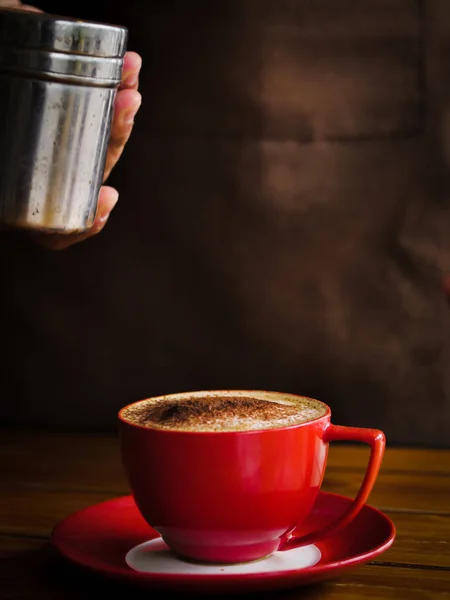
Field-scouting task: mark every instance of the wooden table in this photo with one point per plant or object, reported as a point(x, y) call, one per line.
point(45, 477)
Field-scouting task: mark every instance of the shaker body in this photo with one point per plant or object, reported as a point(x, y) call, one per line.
point(52, 152)
point(58, 81)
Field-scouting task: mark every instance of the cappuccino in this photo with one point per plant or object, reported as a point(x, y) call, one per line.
point(223, 412)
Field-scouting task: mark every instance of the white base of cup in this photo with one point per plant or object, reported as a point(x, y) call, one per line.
point(154, 557)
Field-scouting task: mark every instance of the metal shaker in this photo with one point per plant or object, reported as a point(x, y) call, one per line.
point(58, 81)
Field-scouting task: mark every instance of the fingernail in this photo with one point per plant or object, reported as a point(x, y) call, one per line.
point(130, 114)
point(105, 215)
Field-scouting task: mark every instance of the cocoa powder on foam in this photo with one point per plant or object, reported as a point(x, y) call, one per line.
point(215, 413)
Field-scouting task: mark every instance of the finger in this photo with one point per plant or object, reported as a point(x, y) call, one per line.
point(30, 8)
point(132, 63)
point(127, 104)
point(128, 101)
point(106, 201)
point(18, 6)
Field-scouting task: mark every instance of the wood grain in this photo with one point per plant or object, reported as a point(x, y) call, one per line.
point(47, 576)
point(422, 539)
point(397, 491)
point(47, 477)
point(77, 461)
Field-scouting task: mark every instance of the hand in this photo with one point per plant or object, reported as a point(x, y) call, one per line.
point(128, 101)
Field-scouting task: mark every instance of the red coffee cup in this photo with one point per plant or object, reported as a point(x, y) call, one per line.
point(237, 496)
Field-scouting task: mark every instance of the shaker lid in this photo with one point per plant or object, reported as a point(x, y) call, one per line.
point(29, 30)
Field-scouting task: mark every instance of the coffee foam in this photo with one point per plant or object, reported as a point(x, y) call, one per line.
point(227, 412)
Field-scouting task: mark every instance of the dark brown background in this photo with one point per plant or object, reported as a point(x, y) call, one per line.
point(283, 223)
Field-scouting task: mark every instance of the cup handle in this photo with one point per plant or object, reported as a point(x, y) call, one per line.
point(377, 442)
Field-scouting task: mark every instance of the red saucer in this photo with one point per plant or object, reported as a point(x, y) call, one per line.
point(103, 537)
